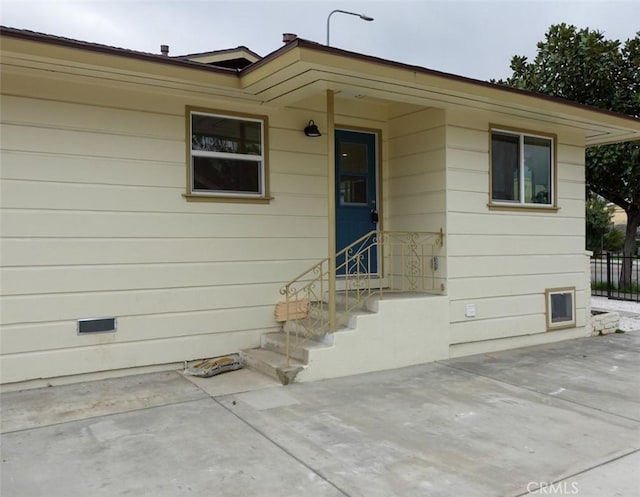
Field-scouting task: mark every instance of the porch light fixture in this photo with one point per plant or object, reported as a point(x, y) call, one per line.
point(312, 129)
point(364, 17)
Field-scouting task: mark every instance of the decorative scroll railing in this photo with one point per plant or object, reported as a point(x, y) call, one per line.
point(379, 262)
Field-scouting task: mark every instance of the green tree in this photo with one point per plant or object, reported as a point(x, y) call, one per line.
point(598, 220)
point(581, 65)
point(614, 240)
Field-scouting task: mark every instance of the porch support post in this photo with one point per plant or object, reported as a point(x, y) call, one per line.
point(331, 195)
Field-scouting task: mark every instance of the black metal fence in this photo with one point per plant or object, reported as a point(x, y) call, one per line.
point(606, 272)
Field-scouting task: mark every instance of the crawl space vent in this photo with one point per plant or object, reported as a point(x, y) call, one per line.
point(96, 325)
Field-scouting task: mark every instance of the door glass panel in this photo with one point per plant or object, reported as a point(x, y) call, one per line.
point(353, 157)
point(355, 160)
point(353, 190)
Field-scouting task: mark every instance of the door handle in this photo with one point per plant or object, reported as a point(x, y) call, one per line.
point(374, 216)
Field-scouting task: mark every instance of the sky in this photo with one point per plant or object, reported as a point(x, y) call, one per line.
point(473, 38)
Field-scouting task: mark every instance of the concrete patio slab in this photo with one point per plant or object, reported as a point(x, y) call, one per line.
point(438, 431)
point(478, 426)
point(241, 380)
point(618, 478)
point(26, 409)
point(192, 448)
point(600, 372)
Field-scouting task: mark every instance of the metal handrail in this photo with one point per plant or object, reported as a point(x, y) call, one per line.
point(407, 261)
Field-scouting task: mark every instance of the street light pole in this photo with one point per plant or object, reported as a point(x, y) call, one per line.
point(364, 17)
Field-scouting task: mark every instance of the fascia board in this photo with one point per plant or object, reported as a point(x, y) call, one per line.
point(397, 82)
point(266, 73)
point(70, 60)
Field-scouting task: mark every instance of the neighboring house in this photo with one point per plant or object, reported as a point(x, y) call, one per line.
point(619, 216)
point(175, 196)
point(619, 221)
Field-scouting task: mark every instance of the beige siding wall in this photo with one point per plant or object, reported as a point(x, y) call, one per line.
point(502, 261)
point(415, 180)
point(415, 194)
point(94, 224)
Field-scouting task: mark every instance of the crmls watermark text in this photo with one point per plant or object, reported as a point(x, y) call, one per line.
point(558, 488)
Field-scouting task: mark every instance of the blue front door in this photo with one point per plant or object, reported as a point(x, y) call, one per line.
point(356, 195)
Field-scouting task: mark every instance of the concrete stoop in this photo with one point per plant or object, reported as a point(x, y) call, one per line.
point(270, 358)
point(390, 332)
point(272, 364)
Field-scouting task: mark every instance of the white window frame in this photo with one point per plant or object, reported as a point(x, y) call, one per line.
point(521, 134)
point(565, 323)
point(263, 193)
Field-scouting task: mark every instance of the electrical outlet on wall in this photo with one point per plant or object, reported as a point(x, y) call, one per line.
point(470, 311)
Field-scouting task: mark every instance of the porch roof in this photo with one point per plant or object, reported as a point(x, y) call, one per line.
point(303, 68)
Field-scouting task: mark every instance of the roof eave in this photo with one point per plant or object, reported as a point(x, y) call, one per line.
point(525, 97)
point(108, 50)
point(313, 52)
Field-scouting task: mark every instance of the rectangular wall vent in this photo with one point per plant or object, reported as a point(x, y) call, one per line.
point(96, 325)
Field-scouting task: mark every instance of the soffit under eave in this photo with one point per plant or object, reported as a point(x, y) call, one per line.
point(369, 68)
point(221, 55)
point(283, 79)
point(299, 81)
point(604, 137)
point(305, 68)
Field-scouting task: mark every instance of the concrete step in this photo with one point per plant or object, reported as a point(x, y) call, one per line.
point(318, 312)
point(270, 358)
point(299, 347)
point(301, 327)
point(272, 364)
